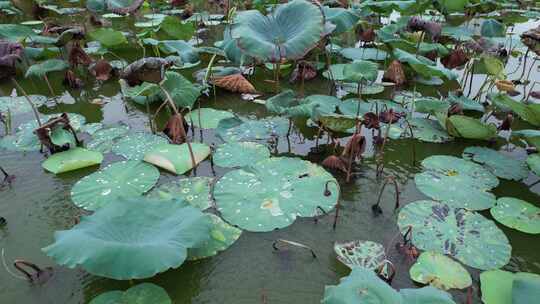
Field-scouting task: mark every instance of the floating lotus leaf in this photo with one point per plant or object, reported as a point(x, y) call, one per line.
point(207, 118)
point(497, 163)
point(366, 254)
point(517, 214)
point(529, 113)
point(492, 28)
point(335, 72)
point(19, 104)
point(503, 287)
point(186, 51)
point(176, 158)
point(103, 139)
point(363, 54)
point(72, 159)
point(465, 102)
point(16, 32)
point(362, 285)
point(531, 136)
point(430, 105)
point(222, 236)
point(290, 32)
point(533, 161)
point(240, 154)
point(428, 130)
point(470, 128)
point(360, 70)
point(173, 28)
point(336, 122)
point(108, 37)
point(92, 128)
point(121, 179)
point(236, 129)
point(344, 19)
point(439, 271)
point(131, 238)
point(183, 92)
point(465, 235)
point(193, 190)
point(367, 89)
point(138, 294)
point(423, 65)
point(273, 193)
point(457, 182)
point(45, 67)
point(135, 145)
point(349, 107)
point(287, 104)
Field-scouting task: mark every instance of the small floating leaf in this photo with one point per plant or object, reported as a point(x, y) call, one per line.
point(240, 154)
point(517, 214)
point(439, 271)
point(497, 163)
point(207, 118)
point(222, 236)
point(176, 158)
point(72, 159)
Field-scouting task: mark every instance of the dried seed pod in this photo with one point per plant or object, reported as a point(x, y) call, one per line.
point(77, 56)
point(505, 85)
point(395, 73)
point(234, 83)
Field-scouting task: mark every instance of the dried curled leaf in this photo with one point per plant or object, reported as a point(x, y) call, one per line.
point(234, 83)
point(71, 80)
point(389, 116)
point(77, 56)
point(10, 52)
point(355, 147)
point(531, 39)
point(505, 85)
point(395, 73)
point(455, 59)
point(335, 163)
point(371, 120)
point(102, 70)
point(434, 29)
point(507, 123)
point(365, 35)
point(176, 129)
point(149, 69)
point(304, 70)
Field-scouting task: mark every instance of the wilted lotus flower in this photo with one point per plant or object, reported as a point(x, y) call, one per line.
point(456, 58)
point(336, 163)
point(371, 121)
point(531, 39)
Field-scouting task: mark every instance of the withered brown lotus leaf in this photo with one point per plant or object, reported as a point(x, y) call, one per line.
point(355, 147)
point(395, 73)
point(71, 80)
point(77, 56)
point(303, 69)
point(506, 123)
point(175, 129)
point(366, 35)
point(371, 121)
point(128, 9)
point(335, 163)
point(456, 58)
point(434, 29)
point(102, 70)
point(149, 69)
point(234, 83)
point(505, 85)
point(531, 39)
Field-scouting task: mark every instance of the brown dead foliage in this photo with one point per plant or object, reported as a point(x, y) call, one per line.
point(395, 73)
point(234, 83)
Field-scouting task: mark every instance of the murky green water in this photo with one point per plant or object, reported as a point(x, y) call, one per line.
point(250, 271)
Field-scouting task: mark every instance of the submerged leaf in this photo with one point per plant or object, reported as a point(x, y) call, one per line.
point(141, 293)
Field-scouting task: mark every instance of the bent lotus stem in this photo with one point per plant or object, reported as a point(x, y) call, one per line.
point(531, 90)
point(327, 192)
point(469, 295)
point(34, 110)
point(49, 84)
point(380, 158)
point(413, 145)
point(528, 76)
point(182, 130)
point(20, 264)
point(377, 208)
point(524, 64)
point(284, 242)
point(319, 214)
point(387, 276)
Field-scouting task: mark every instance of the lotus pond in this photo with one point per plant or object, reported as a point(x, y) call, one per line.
point(261, 152)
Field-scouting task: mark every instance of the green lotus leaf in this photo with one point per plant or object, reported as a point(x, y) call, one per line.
point(134, 146)
point(526, 289)
point(433, 81)
point(62, 137)
point(141, 94)
point(176, 158)
point(287, 104)
point(517, 214)
point(492, 28)
point(465, 102)
point(493, 66)
point(108, 37)
point(499, 286)
point(367, 89)
point(72, 159)
point(92, 127)
point(360, 70)
point(439, 271)
point(363, 54)
point(335, 72)
point(19, 104)
point(45, 67)
point(527, 112)
point(459, 33)
point(336, 122)
point(273, 193)
point(239, 154)
point(470, 128)
point(533, 161)
point(207, 118)
point(349, 107)
point(121, 179)
point(465, 235)
point(173, 28)
point(430, 105)
point(222, 236)
point(497, 163)
point(103, 139)
point(387, 6)
point(131, 238)
point(290, 32)
point(364, 286)
point(361, 286)
point(183, 92)
point(183, 49)
point(194, 190)
point(138, 294)
point(366, 254)
point(427, 130)
point(423, 65)
point(457, 182)
point(531, 136)
point(453, 6)
point(237, 129)
point(344, 19)
point(16, 32)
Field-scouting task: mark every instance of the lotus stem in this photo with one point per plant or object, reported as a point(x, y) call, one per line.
point(380, 159)
point(419, 42)
point(471, 80)
point(295, 244)
point(377, 208)
point(49, 85)
point(184, 134)
point(528, 75)
point(19, 264)
point(524, 65)
point(209, 69)
point(327, 192)
point(531, 90)
point(469, 295)
point(36, 113)
point(7, 268)
point(386, 264)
